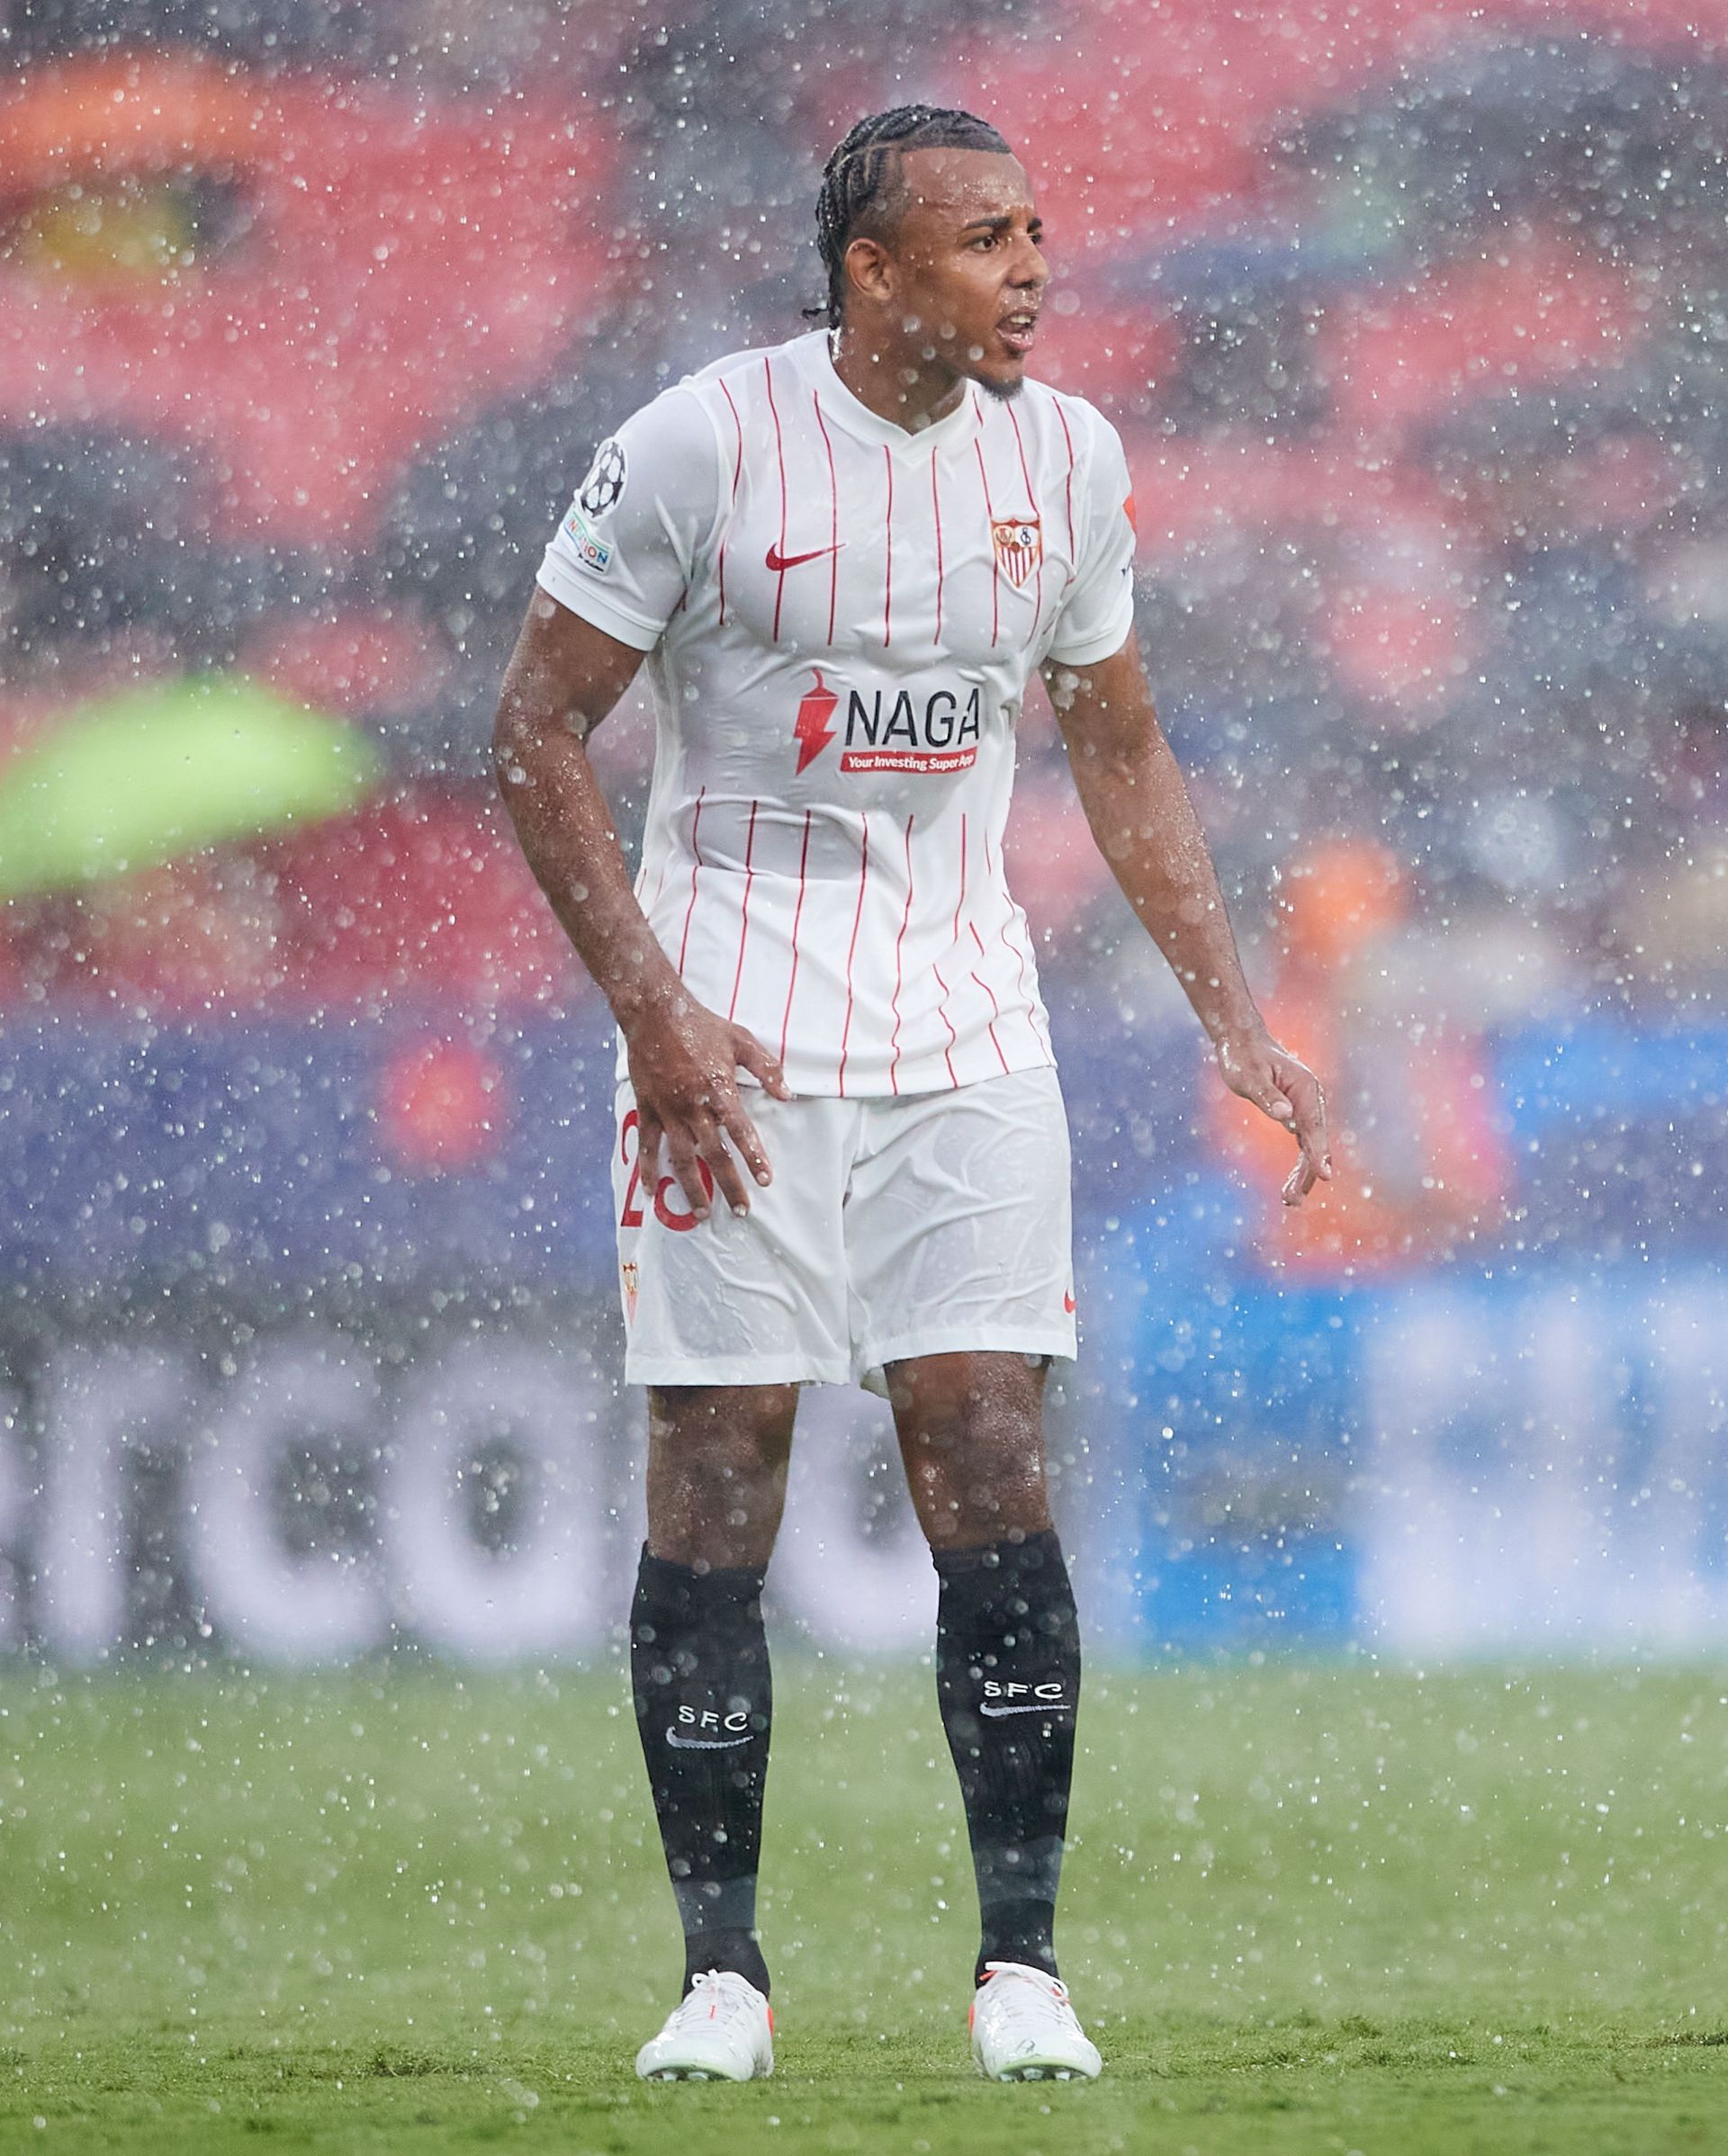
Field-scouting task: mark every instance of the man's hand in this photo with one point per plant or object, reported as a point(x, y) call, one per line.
point(682, 1064)
point(1254, 1066)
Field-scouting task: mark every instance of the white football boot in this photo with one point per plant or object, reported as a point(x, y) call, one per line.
point(722, 2030)
point(1023, 2028)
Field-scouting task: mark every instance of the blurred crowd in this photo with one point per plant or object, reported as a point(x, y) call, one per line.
point(311, 311)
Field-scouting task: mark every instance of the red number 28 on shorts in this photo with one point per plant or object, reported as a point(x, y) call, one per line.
point(680, 1223)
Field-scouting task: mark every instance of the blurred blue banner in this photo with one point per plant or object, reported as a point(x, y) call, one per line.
point(1473, 1462)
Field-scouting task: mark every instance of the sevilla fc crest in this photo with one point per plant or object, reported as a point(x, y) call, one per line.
point(632, 1289)
point(1019, 545)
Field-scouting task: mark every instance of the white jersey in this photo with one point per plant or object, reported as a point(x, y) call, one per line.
point(843, 617)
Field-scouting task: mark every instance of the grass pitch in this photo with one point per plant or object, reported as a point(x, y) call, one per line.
point(1325, 1909)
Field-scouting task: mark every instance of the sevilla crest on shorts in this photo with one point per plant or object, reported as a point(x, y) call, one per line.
point(1019, 545)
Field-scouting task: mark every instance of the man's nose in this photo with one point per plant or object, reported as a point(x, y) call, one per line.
point(1030, 269)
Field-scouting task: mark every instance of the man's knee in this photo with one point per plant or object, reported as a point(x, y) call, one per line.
point(741, 1432)
point(972, 1440)
point(716, 1472)
point(970, 1396)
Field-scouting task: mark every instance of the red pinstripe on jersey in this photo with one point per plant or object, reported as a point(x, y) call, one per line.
point(744, 917)
point(1067, 488)
point(894, 1038)
point(887, 567)
point(851, 951)
point(996, 1007)
point(936, 511)
point(958, 903)
point(737, 470)
point(1017, 955)
point(941, 1012)
point(1031, 497)
point(779, 458)
point(995, 566)
point(834, 518)
point(695, 865)
point(797, 917)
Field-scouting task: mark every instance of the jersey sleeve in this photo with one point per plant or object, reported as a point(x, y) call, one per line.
point(1098, 611)
point(624, 554)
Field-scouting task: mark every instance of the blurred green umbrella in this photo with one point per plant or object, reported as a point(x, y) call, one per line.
point(153, 773)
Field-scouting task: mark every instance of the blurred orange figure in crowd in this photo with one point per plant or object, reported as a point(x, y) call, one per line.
point(1418, 1166)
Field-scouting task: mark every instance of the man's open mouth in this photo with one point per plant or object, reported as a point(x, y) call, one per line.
point(1017, 330)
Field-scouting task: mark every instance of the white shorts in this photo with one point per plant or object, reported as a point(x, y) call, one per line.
point(921, 1224)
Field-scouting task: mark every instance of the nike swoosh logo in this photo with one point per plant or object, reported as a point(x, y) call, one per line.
point(993, 1713)
point(779, 563)
point(705, 1744)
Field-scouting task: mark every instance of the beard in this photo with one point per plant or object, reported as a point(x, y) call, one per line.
point(1005, 393)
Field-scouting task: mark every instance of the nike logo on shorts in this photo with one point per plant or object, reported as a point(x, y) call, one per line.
point(994, 1712)
point(779, 563)
point(705, 1744)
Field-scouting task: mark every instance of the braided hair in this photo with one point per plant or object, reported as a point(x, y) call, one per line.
point(862, 176)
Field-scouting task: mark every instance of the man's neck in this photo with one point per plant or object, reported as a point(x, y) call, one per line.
point(894, 383)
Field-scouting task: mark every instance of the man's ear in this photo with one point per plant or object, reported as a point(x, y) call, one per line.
point(869, 270)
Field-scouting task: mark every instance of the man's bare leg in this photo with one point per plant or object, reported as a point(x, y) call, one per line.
point(717, 1459)
point(971, 1431)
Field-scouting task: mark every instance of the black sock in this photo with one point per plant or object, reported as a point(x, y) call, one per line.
point(698, 1670)
point(1008, 1681)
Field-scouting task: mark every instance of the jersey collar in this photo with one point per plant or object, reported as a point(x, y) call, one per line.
point(958, 428)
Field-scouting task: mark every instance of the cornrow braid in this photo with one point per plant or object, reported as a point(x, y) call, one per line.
point(864, 167)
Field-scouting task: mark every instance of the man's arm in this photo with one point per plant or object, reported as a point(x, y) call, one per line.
point(564, 677)
point(1131, 788)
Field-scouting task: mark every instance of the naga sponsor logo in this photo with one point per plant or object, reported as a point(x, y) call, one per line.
point(890, 730)
point(933, 733)
point(591, 553)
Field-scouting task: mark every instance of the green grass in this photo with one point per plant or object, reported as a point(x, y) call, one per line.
point(1326, 1910)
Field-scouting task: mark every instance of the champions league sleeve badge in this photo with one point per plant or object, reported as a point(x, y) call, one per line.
point(603, 486)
